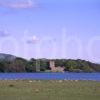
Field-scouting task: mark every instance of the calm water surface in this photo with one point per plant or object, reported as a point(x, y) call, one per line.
point(50, 76)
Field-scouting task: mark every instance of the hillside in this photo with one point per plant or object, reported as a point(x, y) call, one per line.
point(10, 63)
point(6, 57)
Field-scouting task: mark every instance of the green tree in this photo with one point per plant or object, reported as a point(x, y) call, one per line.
point(31, 65)
point(18, 65)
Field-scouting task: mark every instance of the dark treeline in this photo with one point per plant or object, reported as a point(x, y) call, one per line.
point(18, 64)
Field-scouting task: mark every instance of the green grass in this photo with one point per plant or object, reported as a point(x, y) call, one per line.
point(49, 90)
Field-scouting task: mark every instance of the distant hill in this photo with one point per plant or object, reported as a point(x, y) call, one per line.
point(6, 57)
point(11, 63)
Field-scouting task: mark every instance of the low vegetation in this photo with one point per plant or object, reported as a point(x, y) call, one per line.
point(49, 90)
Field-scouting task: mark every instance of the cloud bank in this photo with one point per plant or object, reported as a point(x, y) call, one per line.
point(4, 33)
point(19, 4)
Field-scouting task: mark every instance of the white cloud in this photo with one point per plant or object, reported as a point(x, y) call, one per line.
point(33, 40)
point(19, 4)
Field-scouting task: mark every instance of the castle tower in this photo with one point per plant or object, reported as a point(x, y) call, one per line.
point(52, 64)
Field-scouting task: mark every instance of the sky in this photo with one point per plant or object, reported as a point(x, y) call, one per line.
point(50, 29)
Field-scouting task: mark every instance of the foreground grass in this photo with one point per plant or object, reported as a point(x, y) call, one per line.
point(49, 90)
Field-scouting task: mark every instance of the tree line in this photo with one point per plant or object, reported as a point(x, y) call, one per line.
point(42, 65)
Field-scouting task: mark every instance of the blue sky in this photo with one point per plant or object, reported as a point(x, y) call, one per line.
point(50, 28)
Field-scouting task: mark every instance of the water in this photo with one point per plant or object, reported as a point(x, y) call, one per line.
point(50, 76)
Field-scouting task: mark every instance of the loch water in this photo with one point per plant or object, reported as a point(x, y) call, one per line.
point(50, 76)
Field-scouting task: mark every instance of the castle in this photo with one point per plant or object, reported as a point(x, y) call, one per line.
point(55, 68)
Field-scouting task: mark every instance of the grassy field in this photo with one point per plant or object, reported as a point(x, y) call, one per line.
point(49, 90)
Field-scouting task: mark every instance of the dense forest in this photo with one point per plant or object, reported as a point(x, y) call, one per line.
point(10, 63)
